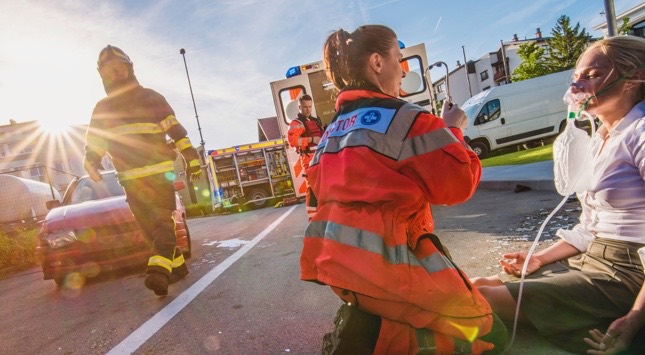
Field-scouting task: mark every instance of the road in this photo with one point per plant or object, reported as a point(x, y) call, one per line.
point(243, 295)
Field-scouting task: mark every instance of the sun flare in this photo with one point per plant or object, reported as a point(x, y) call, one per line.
point(54, 128)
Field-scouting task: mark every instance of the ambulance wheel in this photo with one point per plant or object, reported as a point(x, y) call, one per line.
point(260, 194)
point(480, 148)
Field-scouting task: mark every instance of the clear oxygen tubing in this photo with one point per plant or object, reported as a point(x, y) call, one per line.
point(571, 115)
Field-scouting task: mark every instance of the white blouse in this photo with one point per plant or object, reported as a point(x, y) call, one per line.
point(615, 207)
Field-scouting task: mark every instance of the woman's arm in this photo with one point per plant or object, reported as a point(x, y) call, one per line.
point(513, 262)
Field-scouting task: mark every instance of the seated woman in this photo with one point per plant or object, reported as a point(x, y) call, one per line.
point(591, 281)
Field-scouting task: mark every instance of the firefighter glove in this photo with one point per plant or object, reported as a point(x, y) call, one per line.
point(194, 169)
point(92, 170)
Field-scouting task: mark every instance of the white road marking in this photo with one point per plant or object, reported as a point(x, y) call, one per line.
point(130, 344)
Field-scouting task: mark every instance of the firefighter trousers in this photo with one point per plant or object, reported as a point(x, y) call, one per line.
point(152, 201)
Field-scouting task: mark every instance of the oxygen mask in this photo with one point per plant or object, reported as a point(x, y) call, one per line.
point(576, 103)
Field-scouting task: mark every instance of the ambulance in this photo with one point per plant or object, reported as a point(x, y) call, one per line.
point(311, 79)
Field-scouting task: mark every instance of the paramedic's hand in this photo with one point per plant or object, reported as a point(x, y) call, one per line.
point(92, 171)
point(618, 337)
point(453, 116)
point(512, 263)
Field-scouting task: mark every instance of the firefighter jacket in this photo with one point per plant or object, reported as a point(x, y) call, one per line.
point(304, 133)
point(378, 167)
point(131, 124)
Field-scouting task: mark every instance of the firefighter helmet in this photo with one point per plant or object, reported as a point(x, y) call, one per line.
point(110, 54)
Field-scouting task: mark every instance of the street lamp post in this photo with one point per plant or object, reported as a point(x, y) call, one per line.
point(447, 80)
point(610, 14)
point(191, 187)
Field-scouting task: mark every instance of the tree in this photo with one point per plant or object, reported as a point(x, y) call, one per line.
point(533, 62)
point(566, 44)
point(625, 28)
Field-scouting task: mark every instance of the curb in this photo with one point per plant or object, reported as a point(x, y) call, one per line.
point(541, 185)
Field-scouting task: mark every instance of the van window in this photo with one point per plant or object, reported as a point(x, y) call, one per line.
point(490, 112)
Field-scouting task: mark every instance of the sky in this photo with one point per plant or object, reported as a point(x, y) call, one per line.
point(234, 49)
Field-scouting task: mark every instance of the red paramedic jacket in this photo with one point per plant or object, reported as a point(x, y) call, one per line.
point(379, 166)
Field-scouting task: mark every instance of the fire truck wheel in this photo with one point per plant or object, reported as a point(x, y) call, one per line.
point(260, 195)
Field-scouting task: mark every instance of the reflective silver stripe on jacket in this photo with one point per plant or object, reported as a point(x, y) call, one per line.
point(136, 128)
point(371, 242)
point(392, 143)
point(427, 143)
point(147, 170)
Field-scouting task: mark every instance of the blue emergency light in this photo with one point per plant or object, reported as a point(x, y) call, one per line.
point(293, 71)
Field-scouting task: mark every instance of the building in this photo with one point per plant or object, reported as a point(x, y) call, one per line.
point(492, 69)
point(636, 16)
point(489, 70)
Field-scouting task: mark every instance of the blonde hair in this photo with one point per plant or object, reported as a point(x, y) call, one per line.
point(626, 53)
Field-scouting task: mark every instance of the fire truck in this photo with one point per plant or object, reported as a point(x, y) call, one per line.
point(249, 175)
point(252, 174)
point(311, 79)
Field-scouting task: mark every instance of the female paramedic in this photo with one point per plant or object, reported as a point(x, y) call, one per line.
point(379, 166)
point(589, 285)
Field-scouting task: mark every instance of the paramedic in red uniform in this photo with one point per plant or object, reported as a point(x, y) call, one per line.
point(131, 124)
point(379, 166)
point(304, 134)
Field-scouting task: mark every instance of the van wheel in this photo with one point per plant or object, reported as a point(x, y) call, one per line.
point(480, 148)
point(256, 194)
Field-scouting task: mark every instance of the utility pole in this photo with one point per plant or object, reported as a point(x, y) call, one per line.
point(504, 63)
point(191, 187)
point(610, 14)
point(470, 90)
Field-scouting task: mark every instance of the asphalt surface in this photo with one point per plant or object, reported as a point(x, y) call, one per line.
point(253, 303)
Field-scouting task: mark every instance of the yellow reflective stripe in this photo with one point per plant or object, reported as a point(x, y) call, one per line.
point(193, 163)
point(146, 170)
point(168, 122)
point(136, 128)
point(183, 143)
point(158, 260)
point(178, 261)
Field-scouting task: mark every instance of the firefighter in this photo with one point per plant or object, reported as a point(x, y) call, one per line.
point(304, 134)
point(131, 124)
point(376, 170)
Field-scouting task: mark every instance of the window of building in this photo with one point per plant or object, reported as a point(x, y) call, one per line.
point(37, 173)
point(441, 88)
point(486, 88)
point(58, 167)
point(4, 150)
point(27, 150)
point(484, 75)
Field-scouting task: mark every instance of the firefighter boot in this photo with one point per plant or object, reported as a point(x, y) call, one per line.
point(179, 268)
point(355, 332)
point(158, 274)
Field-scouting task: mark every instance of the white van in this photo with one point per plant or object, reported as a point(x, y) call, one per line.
point(517, 113)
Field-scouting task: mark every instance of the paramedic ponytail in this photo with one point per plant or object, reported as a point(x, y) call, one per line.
point(335, 53)
point(345, 55)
